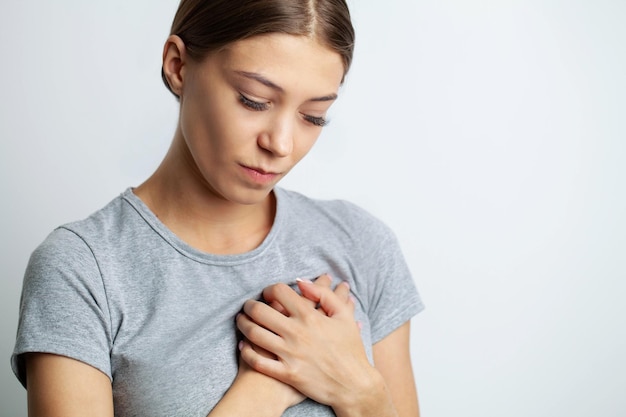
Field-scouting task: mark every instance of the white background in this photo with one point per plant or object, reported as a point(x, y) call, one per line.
point(490, 135)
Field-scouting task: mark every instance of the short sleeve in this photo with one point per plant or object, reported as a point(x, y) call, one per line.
point(392, 296)
point(63, 308)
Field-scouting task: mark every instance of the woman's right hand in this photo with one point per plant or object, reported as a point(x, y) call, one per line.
point(317, 351)
point(285, 394)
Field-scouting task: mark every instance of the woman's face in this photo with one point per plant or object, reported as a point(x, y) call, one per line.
point(253, 110)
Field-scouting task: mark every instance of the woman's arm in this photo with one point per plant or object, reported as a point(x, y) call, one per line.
point(392, 358)
point(64, 387)
point(255, 394)
point(59, 386)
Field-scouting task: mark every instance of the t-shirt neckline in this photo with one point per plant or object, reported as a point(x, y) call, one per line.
point(196, 254)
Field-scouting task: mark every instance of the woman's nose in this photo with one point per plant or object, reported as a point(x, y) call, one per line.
point(278, 138)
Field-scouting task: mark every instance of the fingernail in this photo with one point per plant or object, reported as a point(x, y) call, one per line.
point(307, 281)
point(346, 284)
point(353, 299)
point(359, 324)
point(240, 344)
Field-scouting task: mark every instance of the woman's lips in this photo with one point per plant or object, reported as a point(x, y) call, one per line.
point(259, 175)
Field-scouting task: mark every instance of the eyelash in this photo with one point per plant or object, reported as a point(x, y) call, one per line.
point(316, 121)
point(251, 104)
point(256, 106)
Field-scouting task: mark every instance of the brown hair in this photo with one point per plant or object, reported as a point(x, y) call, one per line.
point(208, 25)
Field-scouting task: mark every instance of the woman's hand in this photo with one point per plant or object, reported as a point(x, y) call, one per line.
point(280, 392)
point(318, 351)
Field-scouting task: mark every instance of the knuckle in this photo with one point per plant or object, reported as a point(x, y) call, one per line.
point(273, 292)
point(254, 309)
point(298, 374)
point(281, 289)
point(254, 333)
point(254, 361)
point(310, 317)
point(293, 374)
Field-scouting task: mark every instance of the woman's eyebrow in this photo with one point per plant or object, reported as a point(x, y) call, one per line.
point(261, 79)
point(274, 86)
point(330, 97)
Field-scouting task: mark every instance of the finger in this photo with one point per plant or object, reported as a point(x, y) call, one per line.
point(326, 298)
point(291, 301)
point(343, 291)
point(324, 280)
point(266, 365)
point(262, 335)
point(278, 307)
point(265, 316)
point(257, 349)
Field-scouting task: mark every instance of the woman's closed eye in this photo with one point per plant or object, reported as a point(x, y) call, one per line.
point(316, 121)
point(253, 105)
point(261, 106)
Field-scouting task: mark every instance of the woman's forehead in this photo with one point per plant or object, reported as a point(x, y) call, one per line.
point(284, 60)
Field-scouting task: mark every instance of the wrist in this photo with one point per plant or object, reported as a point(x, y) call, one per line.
point(371, 398)
point(263, 392)
point(251, 395)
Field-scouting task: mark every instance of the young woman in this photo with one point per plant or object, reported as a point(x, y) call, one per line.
point(207, 290)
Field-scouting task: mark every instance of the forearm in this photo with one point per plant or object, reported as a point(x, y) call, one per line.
point(249, 397)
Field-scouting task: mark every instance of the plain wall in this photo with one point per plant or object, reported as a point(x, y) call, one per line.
point(490, 135)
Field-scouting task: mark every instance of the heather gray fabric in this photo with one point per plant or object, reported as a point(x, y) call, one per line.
point(121, 292)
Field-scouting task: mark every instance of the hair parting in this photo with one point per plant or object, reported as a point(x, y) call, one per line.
point(209, 25)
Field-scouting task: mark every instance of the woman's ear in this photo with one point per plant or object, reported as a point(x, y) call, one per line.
point(174, 61)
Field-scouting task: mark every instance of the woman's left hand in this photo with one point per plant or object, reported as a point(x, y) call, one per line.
point(317, 351)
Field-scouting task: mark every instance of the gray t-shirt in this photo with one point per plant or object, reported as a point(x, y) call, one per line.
point(120, 292)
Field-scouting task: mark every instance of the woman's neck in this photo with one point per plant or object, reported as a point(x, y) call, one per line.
point(186, 205)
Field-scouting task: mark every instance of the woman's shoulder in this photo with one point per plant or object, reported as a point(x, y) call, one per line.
point(339, 213)
point(334, 207)
point(100, 226)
